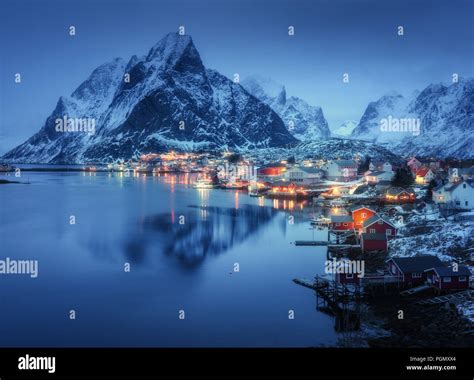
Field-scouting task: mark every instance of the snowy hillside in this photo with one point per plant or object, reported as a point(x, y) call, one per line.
point(444, 114)
point(345, 129)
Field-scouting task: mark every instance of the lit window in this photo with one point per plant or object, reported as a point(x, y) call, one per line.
point(416, 275)
point(389, 231)
point(372, 230)
point(363, 215)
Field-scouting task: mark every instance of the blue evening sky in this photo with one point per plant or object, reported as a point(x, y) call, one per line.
point(332, 37)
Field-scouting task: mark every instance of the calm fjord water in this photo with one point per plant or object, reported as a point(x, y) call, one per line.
point(174, 266)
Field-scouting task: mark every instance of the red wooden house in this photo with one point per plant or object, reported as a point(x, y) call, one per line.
point(271, 170)
point(361, 214)
point(350, 275)
point(412, 269)
point(445, 278)
point(379, 225)
point(342, 222)
point(373, 242)
point(348, 279)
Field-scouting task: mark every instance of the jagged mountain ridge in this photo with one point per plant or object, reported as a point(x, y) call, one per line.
point(304, 122)
point(170, 102)
point(445, 115)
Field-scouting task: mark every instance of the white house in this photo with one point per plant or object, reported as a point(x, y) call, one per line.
point(375, 177)
point(424, 176)
point(303, 175)
point(340, 170)
point(459, 195)
point(381, 166)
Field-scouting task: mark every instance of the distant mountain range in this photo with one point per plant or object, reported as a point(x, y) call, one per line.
point(168, 99)
point(444, 115)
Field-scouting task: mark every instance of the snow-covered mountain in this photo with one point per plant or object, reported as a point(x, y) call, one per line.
point(305, 122)
point(439, 121)
point(345, 129)
point(164, 100)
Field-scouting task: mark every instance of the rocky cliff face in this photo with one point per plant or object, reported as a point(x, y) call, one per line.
point(303, 121)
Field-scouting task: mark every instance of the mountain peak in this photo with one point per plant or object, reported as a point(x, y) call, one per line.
point(171, 49)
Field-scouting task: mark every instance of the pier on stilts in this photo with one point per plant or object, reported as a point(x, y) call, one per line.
point(340, 301)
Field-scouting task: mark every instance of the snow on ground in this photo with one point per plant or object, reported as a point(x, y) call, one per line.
point(431, 235)
point(467, 309)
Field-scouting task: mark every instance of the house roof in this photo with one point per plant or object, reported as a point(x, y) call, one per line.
point(398, 190)
point(379, 237)
point(273, 165)
point(396, 208)
point(355, 208)
point(310, 170)
point(416, 263)
point(375, 219)
point(345, 162)
point(450, 187)
point(422, 172)
point(341, 218)
point(378, 163)
point(376, 173)
point(445, 271)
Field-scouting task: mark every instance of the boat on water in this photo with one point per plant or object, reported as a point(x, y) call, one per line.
point(253, 192)
point(203, 183)
point(235, 185)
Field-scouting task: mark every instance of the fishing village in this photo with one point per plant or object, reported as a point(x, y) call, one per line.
point(375, 214)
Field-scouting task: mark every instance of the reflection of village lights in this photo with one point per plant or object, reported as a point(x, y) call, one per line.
point(236, 199)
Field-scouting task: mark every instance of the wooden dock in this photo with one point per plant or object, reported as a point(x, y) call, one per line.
point(327, 290)
point(320, 243)
point(318, 282)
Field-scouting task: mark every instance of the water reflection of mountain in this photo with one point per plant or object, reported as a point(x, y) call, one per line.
point(204, 230)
